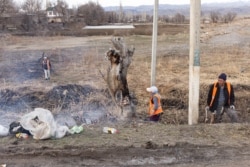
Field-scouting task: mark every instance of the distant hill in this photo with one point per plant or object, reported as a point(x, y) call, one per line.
point(239, 7)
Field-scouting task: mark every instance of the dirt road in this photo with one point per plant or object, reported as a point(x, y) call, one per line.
point(137, 144)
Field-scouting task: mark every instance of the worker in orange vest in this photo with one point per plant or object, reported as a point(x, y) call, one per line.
point(155, 108)
point(221, 99)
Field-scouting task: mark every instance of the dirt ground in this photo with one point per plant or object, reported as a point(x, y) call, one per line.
point(76, 66)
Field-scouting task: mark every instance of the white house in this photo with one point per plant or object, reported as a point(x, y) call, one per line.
point(53, 16)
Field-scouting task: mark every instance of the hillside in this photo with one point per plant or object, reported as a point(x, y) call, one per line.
point(240, 7)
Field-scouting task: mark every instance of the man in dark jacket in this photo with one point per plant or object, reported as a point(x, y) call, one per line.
point(221, 99)
point(46, 67)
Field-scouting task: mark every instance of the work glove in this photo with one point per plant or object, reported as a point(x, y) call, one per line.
point(232, 107)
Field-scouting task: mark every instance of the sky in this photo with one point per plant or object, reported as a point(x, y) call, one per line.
point(105, 3)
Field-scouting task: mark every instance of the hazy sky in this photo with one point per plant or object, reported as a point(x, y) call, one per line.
point(105, 3)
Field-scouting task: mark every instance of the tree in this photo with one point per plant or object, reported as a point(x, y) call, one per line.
point(112, 17)
point(214, 16)
point(7, 6)
point(92, 12)
point(229, 17)
point(62, 8)
point(165, 18)
point(179, 18)
point(32, 6)
point(120, 59)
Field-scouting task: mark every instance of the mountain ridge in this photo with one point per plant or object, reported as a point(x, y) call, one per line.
point(239, 7)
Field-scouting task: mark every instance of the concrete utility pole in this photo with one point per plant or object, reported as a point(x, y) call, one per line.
point(47, 4)
point(194, 62)
point(154, 43)
point(121, 16)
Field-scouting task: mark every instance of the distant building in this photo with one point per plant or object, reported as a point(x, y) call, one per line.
point(7, 22)
point(109, 27)
point(53, 16)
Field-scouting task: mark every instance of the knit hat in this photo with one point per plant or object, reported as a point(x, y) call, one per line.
point(152, 89)
point(223, 76)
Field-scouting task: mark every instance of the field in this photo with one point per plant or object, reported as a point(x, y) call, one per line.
point(76, 66)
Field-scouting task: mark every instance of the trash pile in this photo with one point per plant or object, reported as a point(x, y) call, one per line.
point(3, 131)
point(40, 124)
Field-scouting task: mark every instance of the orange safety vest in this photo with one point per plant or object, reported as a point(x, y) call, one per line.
point(215, 90)
point(151, 106)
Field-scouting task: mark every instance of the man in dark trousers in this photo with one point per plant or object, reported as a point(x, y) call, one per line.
point(221, 99)
point(46, 67)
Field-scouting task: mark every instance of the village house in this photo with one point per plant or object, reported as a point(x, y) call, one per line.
point(53, 16)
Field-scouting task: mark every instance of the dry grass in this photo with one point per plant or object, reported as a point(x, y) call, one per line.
point(172, 75)
point(197, 145)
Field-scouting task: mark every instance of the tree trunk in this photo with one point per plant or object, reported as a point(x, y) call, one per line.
point(120, 59)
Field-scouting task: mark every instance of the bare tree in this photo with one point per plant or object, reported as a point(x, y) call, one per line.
point(214, 16)
point(120, 59)
point(111, 17)
point(166, 18)
point(92, 12)
point(62, 8)
point(178, 18)
point(229, 17)
point(7, 6)
point(32, 6)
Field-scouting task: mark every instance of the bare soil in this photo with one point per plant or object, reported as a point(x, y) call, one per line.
point(77, 90)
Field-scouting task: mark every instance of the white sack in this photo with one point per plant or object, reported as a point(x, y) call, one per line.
point(3, 131)
point(42, 125)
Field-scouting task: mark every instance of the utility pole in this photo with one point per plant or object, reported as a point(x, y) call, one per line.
point(121, 15)
point(154, 43)
point(47, 4)
point(194, 62)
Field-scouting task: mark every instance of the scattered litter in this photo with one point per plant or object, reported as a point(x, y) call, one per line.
point(22, 135)
point(76, 129)
point(3, 131)
point(109, 130)
point(88, 121)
